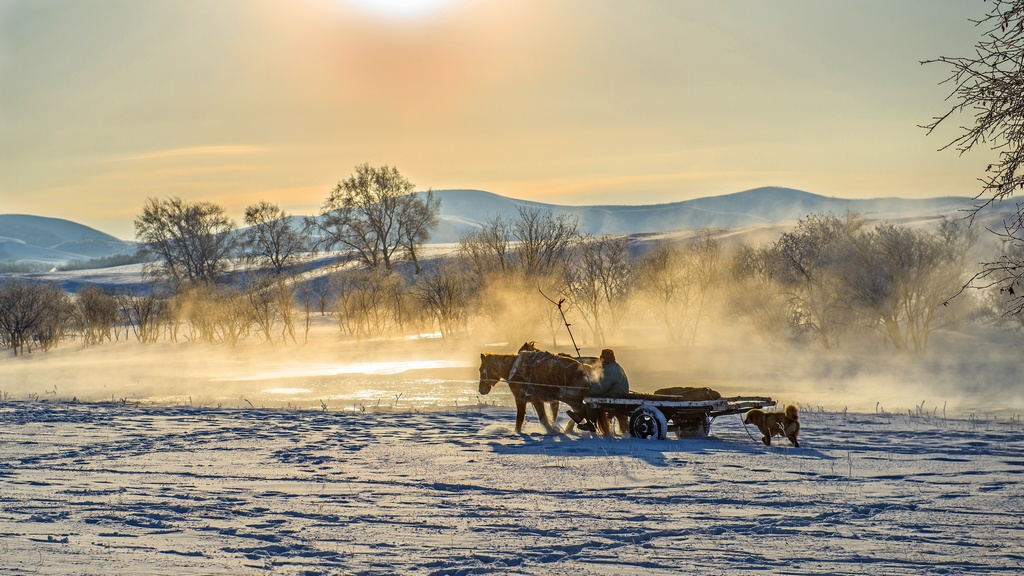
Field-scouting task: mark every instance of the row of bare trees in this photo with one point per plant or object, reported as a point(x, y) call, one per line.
point(834, 274)
point(32, 315)
point(40, 315)
point(830, 276)
point(374, 217)
point(826, 278)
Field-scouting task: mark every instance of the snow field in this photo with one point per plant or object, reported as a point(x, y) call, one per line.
point(111, 489)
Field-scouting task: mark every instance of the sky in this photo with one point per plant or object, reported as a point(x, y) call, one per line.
point(105, 103)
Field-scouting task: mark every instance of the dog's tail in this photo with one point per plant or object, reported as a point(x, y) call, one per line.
point(792, 413)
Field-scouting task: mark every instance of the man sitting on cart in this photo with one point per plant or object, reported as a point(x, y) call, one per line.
point(613, 384)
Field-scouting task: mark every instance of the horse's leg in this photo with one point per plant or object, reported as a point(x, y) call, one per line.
point(623, 419)
point(520, 412)
point(542, 413)
point(554, 411)
point(604, 423)
point(555, 405)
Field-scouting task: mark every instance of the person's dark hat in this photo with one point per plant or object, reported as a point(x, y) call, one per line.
point(607, 356)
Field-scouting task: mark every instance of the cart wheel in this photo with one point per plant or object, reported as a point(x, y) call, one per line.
point(647, 422)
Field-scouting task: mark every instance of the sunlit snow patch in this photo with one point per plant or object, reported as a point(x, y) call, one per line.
point(287, 390)
point(379, 368)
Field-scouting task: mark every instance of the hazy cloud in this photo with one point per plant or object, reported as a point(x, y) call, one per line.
point(195, 151)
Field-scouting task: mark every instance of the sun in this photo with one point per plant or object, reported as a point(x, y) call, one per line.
point(402, 9)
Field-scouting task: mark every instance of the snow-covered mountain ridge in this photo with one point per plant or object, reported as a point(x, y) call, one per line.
point(37, 239)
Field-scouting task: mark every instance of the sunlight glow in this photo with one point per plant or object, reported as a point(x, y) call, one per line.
point(401, 8)
point(376, 368)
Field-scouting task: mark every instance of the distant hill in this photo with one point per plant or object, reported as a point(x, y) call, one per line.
point(51, 241)
point(466, 210)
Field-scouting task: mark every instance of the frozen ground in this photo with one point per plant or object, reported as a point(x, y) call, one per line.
point(122, 489)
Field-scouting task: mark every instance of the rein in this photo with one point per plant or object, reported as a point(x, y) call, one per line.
point(745, 429)
point(486, 377)
point(539, 385)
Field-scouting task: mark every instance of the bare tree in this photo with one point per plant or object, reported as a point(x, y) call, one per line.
point(755, 293)
point(191, 240)
point(419, 214)
point(271, 239)
point(808, 262)
point(144, 313)
point(195, 312)
point(989, 84)
point(601, 281)
point(1011, 315)
point(231, 315)
point(509, 259)
point(544, 240)
point(262, 301)
point(376, 216)
point(443, 293)
point(707, 267)
point(488, 251)
point(284, 293)
point(678, 281)
point(322, 290)
point(902, 277)
point(19, 313)
point(57, 317)
point(33, 313)
point(308, 298)
point(96, 313)
point(536, 242)
point(213, 313)
point(369, 302)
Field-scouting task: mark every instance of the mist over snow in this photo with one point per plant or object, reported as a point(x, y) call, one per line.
point(974, 372)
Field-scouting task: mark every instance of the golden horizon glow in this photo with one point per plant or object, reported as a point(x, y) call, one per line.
point(561, 101)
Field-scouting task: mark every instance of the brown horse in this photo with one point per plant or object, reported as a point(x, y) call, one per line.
point(537, 377)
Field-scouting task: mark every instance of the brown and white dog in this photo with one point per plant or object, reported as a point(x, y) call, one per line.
point(776, 424)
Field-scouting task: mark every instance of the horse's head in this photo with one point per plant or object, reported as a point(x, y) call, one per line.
point(530, 346)
point(488, 375)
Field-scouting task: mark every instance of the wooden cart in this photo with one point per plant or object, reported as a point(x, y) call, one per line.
point(655, 415)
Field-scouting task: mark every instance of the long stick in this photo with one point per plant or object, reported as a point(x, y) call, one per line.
point(560, 311)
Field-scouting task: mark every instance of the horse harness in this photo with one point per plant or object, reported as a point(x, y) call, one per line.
point(540, 360)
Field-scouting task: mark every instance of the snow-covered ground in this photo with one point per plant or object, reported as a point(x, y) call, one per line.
point(125, 489)
point(341, 457)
